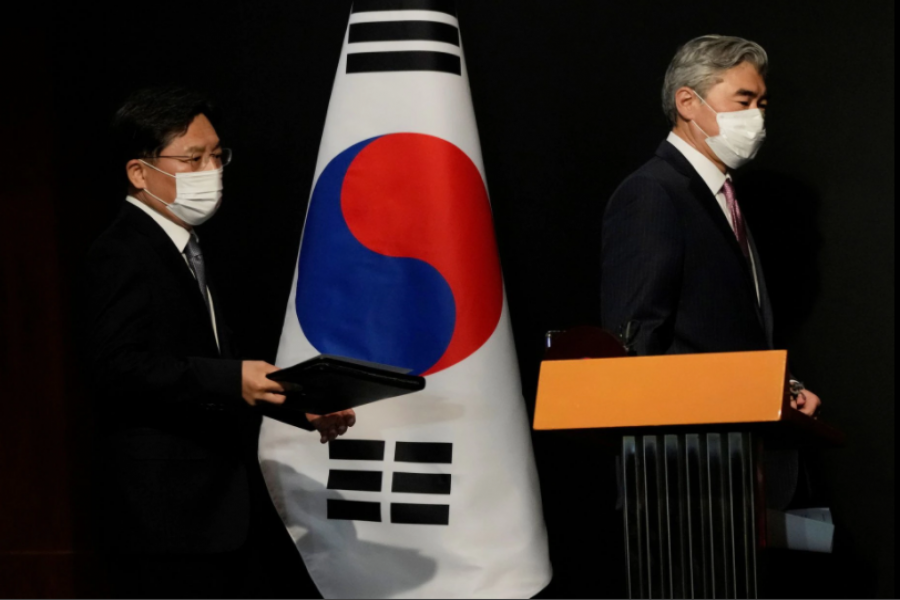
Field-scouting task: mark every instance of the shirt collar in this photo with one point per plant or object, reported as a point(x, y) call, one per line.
point(178, 234)
point(708, 171)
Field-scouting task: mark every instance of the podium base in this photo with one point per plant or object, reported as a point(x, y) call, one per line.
point(693, 514)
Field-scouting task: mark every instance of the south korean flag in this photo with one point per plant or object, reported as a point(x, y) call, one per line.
point(433, 495)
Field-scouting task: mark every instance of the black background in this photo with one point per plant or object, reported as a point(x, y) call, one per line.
point(567, 99)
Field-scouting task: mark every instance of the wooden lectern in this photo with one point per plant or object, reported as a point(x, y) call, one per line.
point(692, 429)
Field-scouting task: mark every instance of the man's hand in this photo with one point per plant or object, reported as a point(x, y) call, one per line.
point(806, 402)
point(256, 387)
point(332, 426)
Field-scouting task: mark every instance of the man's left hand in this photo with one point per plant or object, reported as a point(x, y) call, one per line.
point(332, 426)
point(807, 402)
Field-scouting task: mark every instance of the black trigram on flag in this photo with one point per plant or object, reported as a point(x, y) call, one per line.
point(401, 31)
point(434, 484)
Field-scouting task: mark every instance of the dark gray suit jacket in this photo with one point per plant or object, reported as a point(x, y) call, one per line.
point(672, 264)
point(176, 439)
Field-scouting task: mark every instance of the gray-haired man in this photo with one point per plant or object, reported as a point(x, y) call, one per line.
point(679, 261)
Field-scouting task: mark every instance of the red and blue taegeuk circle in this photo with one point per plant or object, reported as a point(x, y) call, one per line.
point(399, 262)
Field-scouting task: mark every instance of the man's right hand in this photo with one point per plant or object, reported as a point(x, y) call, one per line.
point(256, 387)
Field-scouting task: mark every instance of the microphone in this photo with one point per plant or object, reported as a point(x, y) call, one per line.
point(628, 335)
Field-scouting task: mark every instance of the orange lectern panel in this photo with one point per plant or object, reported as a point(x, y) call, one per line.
point(694, 389)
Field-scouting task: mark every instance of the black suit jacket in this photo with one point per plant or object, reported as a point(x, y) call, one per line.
point(177, 439)
point(672, 264)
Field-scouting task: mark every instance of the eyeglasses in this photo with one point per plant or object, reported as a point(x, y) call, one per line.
point(197, 162)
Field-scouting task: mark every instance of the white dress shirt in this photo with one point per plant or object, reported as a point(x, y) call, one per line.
point(180, 237)
point(715, 179)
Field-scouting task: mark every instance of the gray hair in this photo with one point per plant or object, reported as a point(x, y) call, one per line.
point(700, 63)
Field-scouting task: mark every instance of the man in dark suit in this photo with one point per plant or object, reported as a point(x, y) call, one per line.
point(680, 269)
point(178, 409)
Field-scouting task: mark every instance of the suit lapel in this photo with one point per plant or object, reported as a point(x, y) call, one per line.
point(171, 258)
point(225, 348)
point(765, 302)
point(701, 191)
point(707, 199)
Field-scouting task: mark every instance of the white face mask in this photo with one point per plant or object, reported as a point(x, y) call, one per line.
point(741, 135)
point(198, 195)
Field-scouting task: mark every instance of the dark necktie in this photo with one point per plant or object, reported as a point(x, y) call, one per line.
point(195, 260)
point(737, 218)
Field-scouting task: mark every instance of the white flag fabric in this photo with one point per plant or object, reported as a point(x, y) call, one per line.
point(433, 495)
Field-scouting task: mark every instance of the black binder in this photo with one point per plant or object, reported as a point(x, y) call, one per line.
point(330, 384)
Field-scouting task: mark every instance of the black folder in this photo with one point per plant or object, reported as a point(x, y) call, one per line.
point(330, 384)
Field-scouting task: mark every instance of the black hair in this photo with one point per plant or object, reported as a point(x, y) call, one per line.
point(152, 117)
